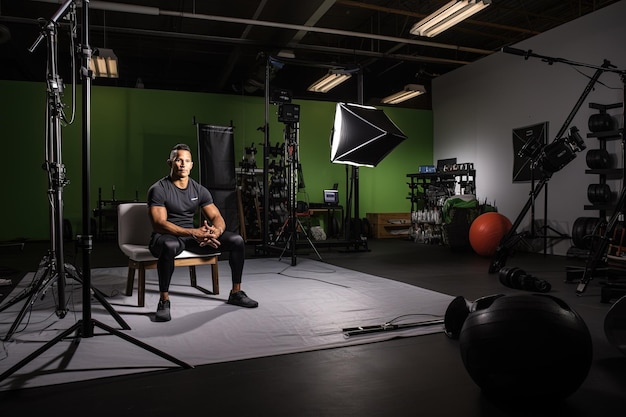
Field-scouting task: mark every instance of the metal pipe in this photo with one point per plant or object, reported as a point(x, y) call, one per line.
point(155, 11)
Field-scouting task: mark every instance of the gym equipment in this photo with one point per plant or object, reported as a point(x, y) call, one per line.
point(518, 279)
point(529, 347)
point(486, 232)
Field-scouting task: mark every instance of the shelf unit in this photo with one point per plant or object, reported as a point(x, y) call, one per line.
point(430, 190)
point(428, 193)
point(389, 225)
point(611, 264)
point(251, 189)
point(607, 172)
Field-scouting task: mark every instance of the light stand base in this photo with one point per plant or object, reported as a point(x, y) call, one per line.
point(77, 327)
point(291, 241)
point(44, 278)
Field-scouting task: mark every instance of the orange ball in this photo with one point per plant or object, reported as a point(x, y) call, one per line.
point(486, 232)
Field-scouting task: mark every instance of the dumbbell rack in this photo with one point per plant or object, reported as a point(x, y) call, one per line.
point(604, 171)
point(606, 254)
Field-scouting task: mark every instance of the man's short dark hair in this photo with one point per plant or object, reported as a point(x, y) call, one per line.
point(179, 147)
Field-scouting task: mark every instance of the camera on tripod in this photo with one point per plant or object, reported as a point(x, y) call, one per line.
point(288, 113)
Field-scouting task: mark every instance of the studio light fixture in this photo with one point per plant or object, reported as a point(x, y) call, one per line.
point(329, 81)
point(362, 135)
point(448, 16)
point(103, 63)
point(409, 91)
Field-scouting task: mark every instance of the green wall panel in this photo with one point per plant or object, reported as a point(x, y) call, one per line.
point(132, 131)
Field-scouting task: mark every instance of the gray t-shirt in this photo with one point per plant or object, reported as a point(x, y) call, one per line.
point(181, 204)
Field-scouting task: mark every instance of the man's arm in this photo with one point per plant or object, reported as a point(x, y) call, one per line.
point(158, 216)
point(218, 225)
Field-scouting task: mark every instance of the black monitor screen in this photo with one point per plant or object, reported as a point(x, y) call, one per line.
point(331, 197)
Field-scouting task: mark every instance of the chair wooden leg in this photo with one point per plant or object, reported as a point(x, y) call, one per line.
point(216, 279)
point(130, 280)
point(192, 276)
point(141, 288)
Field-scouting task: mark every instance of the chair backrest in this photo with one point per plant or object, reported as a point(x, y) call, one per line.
point(133, 224)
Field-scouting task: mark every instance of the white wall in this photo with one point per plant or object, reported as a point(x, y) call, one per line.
point(476, 108)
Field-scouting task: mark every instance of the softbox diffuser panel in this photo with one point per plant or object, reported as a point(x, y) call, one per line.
point(523, 136)
point(362, 135)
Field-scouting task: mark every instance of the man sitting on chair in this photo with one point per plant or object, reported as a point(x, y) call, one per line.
point(172, 203)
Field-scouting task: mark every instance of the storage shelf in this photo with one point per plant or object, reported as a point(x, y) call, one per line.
point(609, 173)
point(389, 225)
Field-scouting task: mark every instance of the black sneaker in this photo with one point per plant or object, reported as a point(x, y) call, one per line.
point(163, 311)
point(240, 299)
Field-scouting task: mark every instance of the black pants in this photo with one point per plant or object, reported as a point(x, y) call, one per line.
point(167, 247)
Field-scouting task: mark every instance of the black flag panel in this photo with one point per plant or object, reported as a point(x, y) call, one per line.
point(216, 151)
point(526, 142)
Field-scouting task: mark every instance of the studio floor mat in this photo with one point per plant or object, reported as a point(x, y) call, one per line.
point(301, 308)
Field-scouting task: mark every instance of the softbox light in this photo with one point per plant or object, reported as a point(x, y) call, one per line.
point(525, 141)
point(362, 135)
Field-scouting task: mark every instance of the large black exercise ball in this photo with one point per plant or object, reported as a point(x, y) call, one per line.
point(530, 347)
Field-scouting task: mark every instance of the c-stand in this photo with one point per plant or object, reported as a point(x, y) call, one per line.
point(49, 269)
point(551, 159)
point(52, 268)
point(532, 151)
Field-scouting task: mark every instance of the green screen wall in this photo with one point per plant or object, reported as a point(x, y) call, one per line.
point(132, 131)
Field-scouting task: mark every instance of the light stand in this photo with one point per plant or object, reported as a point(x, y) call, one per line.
point(352, 230)
point(361, 136)
point(550, 159)
point(532, 151)
point(52, 268)
point(292, 222)
point(83, 328)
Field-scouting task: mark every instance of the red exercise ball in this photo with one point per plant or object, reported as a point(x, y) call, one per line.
point(486, 232)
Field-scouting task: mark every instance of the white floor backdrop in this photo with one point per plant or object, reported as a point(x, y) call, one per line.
point(301, 308)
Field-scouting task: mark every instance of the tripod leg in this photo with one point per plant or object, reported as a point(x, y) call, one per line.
point(511, 238)
point(282, 229)
point(39, 351)
point(309, 239)
point(39, 277)
point(285, 248)
point(142, 345)
point(38, 286)
point(98, 296)
point(76, 328)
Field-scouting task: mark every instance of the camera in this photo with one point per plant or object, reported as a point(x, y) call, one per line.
point(288, 113)
point(560, 152)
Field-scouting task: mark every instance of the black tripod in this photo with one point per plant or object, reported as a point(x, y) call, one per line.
point(52, 268)
point(545, 229)
point(292, 222)
point(56, 269)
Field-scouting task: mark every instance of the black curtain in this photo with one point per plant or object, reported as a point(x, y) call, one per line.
point(216, 149)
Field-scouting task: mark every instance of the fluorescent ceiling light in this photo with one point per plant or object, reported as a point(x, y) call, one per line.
point(329, 81)
point(103, 63)
point(448, 16)
point(409, 91)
